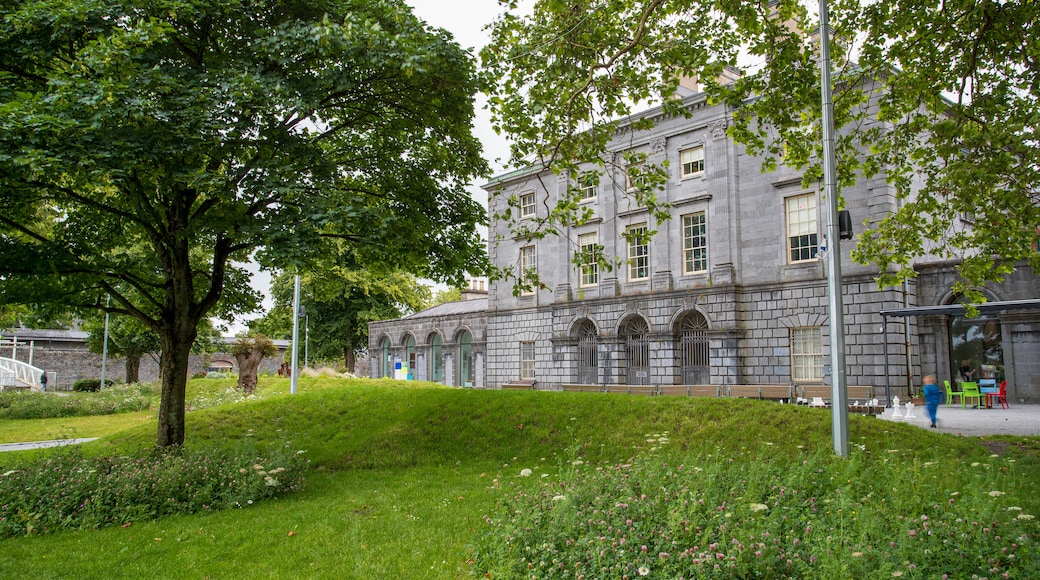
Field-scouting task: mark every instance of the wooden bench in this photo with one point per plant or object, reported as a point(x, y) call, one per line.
point(861, 393)
point(577, 388)
point(518, 386)
point(648, 390)
point(688, 390)
point(773, 391)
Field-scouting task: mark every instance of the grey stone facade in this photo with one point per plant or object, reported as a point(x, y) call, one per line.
point(749, 303)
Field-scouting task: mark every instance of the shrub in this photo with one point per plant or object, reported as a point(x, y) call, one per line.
point(116, 399)
point(716, 517)
point(70, 491)
point(87, 385)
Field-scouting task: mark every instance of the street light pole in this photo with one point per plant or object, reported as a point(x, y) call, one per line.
point(295, 336)
point(839, 393)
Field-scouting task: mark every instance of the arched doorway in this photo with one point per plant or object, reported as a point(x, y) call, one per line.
point(386, 361)
point(436, 358)
point(466, 370)
point(409, 356)
point(636, 334)
point(588, 360)
point(976, 349)
point(692, 338)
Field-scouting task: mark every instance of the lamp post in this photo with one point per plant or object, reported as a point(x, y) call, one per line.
point(295, 336)
point(839, 393)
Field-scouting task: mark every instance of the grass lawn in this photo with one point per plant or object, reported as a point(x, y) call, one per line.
point(402, 478)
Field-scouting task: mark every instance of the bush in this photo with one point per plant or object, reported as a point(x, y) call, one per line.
point(116, 399)
point(716, 517)
point(70, 491)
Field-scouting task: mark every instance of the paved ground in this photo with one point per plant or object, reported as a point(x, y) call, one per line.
point(40, 444)
point(1018, 420)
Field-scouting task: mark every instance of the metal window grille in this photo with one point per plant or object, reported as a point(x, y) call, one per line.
point(693, 350)
point(637, 345)
point(588, 361)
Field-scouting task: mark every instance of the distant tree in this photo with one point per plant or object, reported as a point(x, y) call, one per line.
point(249, 350)
point(939, 99)
point(150, 148)
point(445, 295)
point(129, 339)
point(340, 302)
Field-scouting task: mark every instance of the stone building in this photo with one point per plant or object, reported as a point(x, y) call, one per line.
point(732, 290)
point(64, 355)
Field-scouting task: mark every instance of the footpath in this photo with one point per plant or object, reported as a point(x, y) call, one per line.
point(970, 422)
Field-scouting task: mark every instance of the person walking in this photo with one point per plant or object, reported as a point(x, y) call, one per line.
point(43, 381)
point(932, 396)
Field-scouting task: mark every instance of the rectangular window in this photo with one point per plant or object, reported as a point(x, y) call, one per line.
point(635, 176)
point(806, 355)
point(588, 186)
point(527, 267)
point(527, 205)
point(589, 264)
point(527, 360)
point(692, 161)
point(638, 253)
point(802, 236)
point(695, 243)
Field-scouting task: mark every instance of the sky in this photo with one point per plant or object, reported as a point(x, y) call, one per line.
point(466, 20)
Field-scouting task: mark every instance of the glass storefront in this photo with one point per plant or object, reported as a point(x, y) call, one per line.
point(976, 350)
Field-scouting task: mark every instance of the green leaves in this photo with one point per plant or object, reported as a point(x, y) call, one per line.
point(941, 101)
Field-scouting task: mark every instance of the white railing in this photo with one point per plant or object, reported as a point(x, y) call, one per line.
point(15, 373)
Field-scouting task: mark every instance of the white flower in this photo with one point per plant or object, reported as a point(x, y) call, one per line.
point(525, 472)
point(1024, 517)
point(577, 462)
point(643, 571)
point(996, 493)
point(758, 507)
point(558, 498)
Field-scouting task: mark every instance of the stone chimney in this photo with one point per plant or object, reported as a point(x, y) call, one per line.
point(474, 290)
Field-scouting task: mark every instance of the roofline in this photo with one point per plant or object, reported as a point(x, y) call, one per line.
point(959, 309)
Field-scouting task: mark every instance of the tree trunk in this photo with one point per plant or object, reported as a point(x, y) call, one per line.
point(133, 368)
point(248, 363)
point(173, 368)
point(348, 356)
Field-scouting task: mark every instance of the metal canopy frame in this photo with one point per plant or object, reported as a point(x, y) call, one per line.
point(947, 310)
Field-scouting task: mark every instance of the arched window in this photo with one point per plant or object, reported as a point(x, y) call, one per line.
point(386, 360)
point(409, 356)
point(692, 338)
point(976, 349)
point(588, 362)
point(436, 359)
point(636, 334)
point(466, 371)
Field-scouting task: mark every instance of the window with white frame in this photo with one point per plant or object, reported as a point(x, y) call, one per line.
point(589, 265)
point(527, 267)
point(588, 186)
point(806, 355)
point(638, 252)
point(635, 176)
point(527, 205)
point(695, 243)
point(527, 360)
point(691, 161)
point(802, 236)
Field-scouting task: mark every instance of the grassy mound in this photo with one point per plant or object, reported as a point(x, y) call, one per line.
point(414, 481)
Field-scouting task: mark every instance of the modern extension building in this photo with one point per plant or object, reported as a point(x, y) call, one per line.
point(732, 290)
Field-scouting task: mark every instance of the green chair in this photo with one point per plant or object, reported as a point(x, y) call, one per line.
point(950, 393)
point(970, 390)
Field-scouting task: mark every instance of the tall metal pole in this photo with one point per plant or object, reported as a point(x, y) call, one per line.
point(295, 336)
point(104, 345)
point(839, 391)
point(306, 341)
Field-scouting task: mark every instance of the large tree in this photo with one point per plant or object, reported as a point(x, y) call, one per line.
point(941, 99)
point(148, 148)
